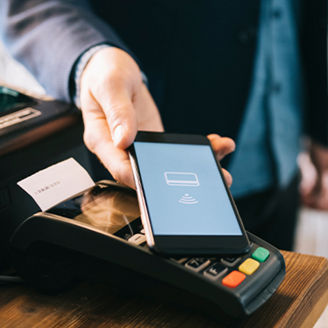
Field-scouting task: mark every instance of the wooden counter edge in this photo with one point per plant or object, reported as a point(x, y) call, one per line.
point(312, 301)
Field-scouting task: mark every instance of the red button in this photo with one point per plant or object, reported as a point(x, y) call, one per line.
point(233, 279)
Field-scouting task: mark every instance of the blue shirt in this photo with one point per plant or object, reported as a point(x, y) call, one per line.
point(269, 139)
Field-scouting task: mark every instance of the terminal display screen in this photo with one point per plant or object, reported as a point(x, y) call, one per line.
point(11, 99)
point(104, 207)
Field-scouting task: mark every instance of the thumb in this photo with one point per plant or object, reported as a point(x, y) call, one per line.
point(120, 115)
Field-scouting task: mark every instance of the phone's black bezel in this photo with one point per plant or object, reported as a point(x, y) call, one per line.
point(191, 244)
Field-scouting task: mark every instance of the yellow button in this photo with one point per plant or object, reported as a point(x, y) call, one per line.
point(249, 266)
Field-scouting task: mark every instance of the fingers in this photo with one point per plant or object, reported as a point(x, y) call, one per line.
point(227, 177)
point(98, 139)
point(149, 118)
point(222, 146)
point(120, 114)
point(115, 104)
point(110, 81)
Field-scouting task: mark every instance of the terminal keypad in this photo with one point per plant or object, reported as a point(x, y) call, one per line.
point(229, 271)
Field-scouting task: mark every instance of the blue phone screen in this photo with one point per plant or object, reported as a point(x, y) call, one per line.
point(184, 190)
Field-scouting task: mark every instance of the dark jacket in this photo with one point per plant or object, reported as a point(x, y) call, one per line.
point(197, 54)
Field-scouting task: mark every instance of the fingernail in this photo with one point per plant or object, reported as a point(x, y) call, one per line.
point(118, 134)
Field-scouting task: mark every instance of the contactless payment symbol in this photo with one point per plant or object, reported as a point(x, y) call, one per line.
point(183, 179)
point(186, 199)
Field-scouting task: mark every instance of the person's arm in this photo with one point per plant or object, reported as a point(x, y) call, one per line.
point(49, 36)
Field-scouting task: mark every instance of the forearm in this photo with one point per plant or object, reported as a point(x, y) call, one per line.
point(49, 36)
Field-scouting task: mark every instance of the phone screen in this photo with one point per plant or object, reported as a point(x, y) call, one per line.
point(184, 191)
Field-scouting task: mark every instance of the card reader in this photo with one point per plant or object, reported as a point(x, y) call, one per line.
point(56, 247)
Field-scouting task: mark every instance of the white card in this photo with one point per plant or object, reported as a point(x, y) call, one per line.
point(57, 183)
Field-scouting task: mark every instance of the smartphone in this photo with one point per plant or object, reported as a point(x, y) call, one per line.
point(186, 207)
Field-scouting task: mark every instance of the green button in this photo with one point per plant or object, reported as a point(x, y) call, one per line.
point(260, 254)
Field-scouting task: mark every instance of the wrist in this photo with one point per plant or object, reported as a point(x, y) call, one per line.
point(79, 69)
point(83, 63)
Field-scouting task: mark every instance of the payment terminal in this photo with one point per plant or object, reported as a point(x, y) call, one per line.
point(102, 227)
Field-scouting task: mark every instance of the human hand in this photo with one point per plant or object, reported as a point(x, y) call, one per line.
point(314, 186)
point(115, 104)
point(222, 146)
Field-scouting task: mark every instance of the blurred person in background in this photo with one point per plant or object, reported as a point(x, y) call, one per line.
point(254, 71)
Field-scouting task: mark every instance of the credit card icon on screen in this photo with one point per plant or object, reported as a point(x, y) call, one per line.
point(183, 179)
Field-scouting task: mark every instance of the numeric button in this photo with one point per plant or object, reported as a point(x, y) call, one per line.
point(215, 271)
point(198, 263)
point(230, 261)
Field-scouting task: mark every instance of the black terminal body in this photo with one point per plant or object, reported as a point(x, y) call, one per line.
point(102, 229)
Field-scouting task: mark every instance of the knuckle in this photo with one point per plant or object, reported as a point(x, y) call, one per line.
point(120, 112)
point(110, 81)
point(117, 112)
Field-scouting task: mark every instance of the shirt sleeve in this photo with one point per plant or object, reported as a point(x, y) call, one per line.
point(49, 36)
